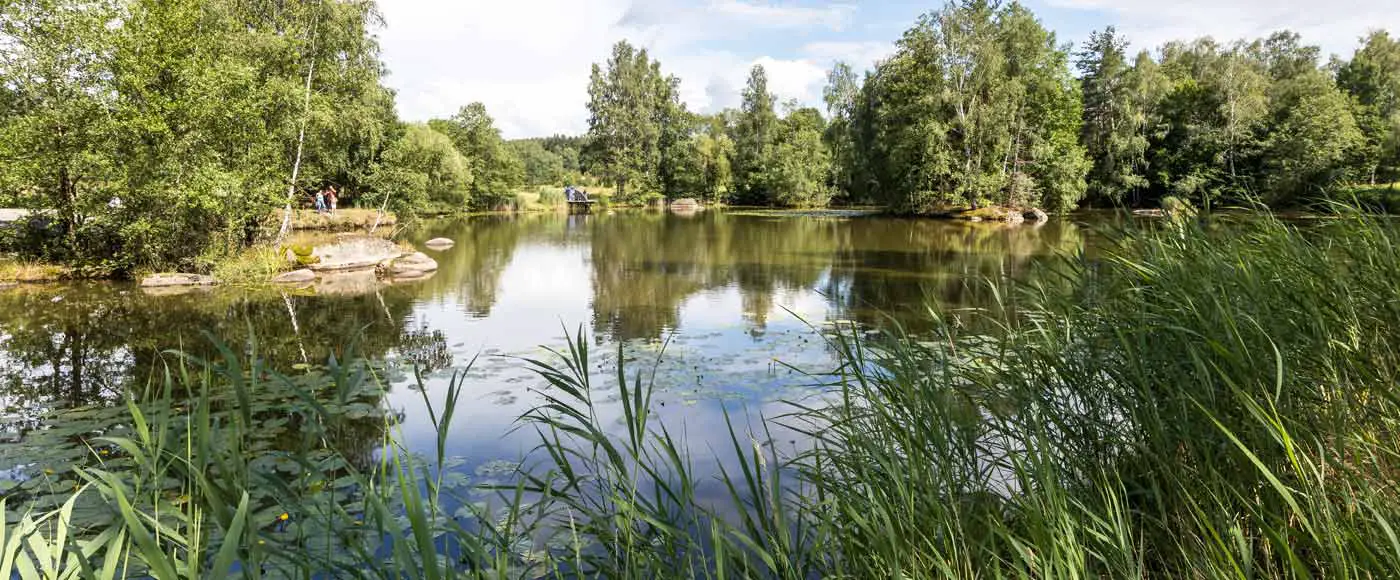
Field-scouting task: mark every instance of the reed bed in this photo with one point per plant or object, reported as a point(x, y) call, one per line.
point(1195, 401)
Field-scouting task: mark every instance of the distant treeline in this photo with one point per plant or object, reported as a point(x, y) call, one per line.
point(164, 133)
point(981, 105)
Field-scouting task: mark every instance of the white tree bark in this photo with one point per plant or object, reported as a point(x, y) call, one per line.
point(301, 141)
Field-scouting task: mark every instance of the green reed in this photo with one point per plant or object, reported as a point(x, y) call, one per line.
point(1199, 401)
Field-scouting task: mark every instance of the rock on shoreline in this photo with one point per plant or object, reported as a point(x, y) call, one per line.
point(302, 276)
point(408, 266)
point(173, 279)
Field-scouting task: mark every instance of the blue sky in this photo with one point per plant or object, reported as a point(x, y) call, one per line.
point(528, 60)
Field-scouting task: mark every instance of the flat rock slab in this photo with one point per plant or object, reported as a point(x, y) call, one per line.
point(167, 280)
point(302, 276)
point(351, 253)
point(440, 244)
point(409, 266)
point(417, 261)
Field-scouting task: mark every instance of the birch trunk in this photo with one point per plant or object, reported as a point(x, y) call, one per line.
point(301, 142)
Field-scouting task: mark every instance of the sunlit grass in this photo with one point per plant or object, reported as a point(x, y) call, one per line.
point(15, 270)
point(253, 265)
point(343, 219)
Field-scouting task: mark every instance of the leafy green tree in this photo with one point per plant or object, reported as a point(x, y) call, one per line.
point(1313, 139)
point(755, 133)
point(1253, 121)
point(55, 143)
point(842, 95)
point(635, 124)
point(1372, 77)
point(1113, 135)
point(976, 107)
point(423, 168)
point(1211, 122)
point(704, 169)
point(541, 165)
point(801, 166)
point(178, 122)
point(495, 169)
point(675, 124)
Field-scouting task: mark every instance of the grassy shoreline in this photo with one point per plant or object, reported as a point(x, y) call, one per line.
point(15, 271)
point(344, 219)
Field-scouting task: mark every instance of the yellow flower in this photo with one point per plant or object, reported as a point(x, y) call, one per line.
point(284, 517)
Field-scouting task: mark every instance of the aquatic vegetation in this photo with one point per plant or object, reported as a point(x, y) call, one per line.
point(1193, 402)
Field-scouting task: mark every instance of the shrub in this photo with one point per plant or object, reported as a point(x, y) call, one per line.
point(259, 263)
point(551, 197)
point(651, 198)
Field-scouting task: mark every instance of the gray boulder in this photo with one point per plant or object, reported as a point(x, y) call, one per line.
point(1037, 216)
point(410, 265)
point(354, 253)
point(302, 276)
point(166, 280)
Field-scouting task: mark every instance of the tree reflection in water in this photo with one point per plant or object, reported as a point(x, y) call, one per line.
point(86, 345)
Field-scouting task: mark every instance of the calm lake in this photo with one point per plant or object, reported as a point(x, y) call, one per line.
point(739, 299)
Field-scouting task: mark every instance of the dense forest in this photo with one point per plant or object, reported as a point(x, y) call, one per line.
point(169, 133)
point(981, 105)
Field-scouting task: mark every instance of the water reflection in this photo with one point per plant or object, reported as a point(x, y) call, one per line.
point(644, 267)
point(84, 344)
point(737, 294)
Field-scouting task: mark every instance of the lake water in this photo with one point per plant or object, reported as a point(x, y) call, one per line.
point(738, 299)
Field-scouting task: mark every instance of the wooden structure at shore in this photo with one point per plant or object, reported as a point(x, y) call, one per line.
point(581, 206)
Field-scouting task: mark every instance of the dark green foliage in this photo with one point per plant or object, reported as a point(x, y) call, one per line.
point(637, 125)
point(495, 169)
point(841, 94)
point(1372, 78)
point(755, 136)
point(159, 131)
point(1252, 122)
point(542, 166)
point(1114, 124)
point(706, 170)
point(424, 169)
point(976, 107)
point(799, 176)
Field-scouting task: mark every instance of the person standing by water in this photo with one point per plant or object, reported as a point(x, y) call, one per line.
point(321, 201)
point(332, 198)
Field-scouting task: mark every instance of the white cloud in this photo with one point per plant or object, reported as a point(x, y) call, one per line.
point(529, 60)
point(858, 54)
point(1335, 25)
point(778, 16)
